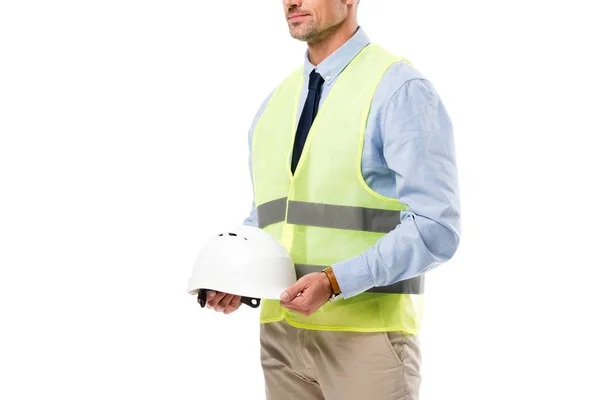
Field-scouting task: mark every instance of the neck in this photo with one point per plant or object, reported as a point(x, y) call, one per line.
point(321, 48)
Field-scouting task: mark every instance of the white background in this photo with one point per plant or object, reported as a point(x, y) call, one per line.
point(123, 146)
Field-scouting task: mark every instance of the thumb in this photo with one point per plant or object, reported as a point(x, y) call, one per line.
point(292, 291)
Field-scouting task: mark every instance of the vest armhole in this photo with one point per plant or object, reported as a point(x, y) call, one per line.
point(393, 59)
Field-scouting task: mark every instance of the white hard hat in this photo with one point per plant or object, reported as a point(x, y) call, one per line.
point(247, 262)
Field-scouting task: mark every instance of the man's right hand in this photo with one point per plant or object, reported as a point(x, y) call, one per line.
point(223, 302)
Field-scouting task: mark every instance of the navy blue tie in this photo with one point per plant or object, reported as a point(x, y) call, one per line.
point(309, 112)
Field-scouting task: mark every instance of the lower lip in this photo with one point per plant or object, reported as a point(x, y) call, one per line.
point(297, 18)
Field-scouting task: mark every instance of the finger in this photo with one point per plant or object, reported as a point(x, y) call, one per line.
point(224, 303)
point(234, 305)
point(212, 303)
point(293, 291)
point(295, 305)
point(297, 300)
point(300, 303)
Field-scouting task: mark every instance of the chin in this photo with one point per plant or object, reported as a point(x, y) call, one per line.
point(298, 35)
point(302, 34)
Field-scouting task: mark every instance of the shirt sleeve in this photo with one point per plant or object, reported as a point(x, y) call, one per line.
point(252, 219)
point(418, 145)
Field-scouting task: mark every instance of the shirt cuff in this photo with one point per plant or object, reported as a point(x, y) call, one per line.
point(353, 276)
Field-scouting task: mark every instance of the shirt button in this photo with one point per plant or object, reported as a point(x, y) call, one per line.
point(328, 77)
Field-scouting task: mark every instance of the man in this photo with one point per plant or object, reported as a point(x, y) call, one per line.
point(365, 204)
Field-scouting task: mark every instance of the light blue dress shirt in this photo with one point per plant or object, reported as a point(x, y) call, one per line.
point(409, 155)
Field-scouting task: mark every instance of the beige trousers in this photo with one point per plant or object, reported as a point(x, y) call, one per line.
point(303, 364)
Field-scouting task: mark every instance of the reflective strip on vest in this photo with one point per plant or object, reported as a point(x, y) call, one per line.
point(271, 212)
point(414, 285)
point(328, 216)
point(342, 217)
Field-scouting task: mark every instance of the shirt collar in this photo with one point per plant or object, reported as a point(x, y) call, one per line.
point(335, 63)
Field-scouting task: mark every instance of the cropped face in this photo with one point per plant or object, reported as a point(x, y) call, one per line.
point(313, 20)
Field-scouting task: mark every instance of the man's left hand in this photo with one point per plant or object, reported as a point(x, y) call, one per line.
point(308, 294)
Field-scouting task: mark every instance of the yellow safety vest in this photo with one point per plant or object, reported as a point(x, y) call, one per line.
point(325, 212)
